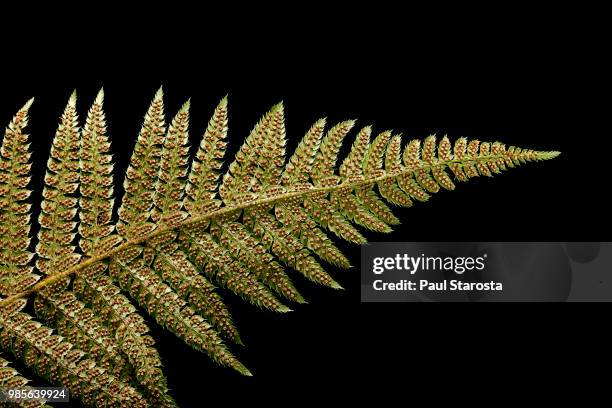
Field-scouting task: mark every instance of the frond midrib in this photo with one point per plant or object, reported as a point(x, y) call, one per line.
point(193, 220)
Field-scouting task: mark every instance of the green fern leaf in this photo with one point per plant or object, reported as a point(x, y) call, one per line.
point(239, 182)
point(141, 176)
point(55, 247)
point(130, 330)
point(248, 250)
point(201, 191)
point(170, 263)
point(229, 273)
point(16, 274)
point(182, 238)
point(295, 219)
point(58, 361)
point(96, 184)
point(170, 186)
point(97, 231)
point(174, 267)
point(57, 305)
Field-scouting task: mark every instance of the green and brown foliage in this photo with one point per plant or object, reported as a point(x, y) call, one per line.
point(185, 234)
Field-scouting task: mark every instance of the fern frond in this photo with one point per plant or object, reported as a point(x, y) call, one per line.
point(325, 161)
point(129, 328)
point(270, 158)
point(16, 274)
point(181, 233)
point(319, 206)
point(59, 362)
point(229, 273)
point(57, 305)
point(264, 152)
point(169, 310)
point(391, 191)
point(170, 186)
point(142, 173)
point(250, 170)
point(290, 251)
point(349, 204)
point(353, 169)
point(303, 227)
point(267, 230)
point(79, 325)
point(388, 190)
point(174, 267)
point(55, 247)
point(251, 253)
point(299, 167)
point(295, 219)
point(96, 183)
point(97, 231)
point(204, 176)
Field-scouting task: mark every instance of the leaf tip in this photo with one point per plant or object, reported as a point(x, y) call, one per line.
point(242, 369)
point(28, 105)
point(100, 97)
point(279, 107)
point(160, 93)
point(284, 309)
point(73, 98)
point(336, 285)
point(547, 155)
point(321, 123)
point(300, 300)
point(224, 101)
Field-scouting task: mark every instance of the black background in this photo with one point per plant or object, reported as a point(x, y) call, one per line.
point(519, 82)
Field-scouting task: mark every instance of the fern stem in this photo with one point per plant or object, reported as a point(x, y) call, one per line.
point(423, 167)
